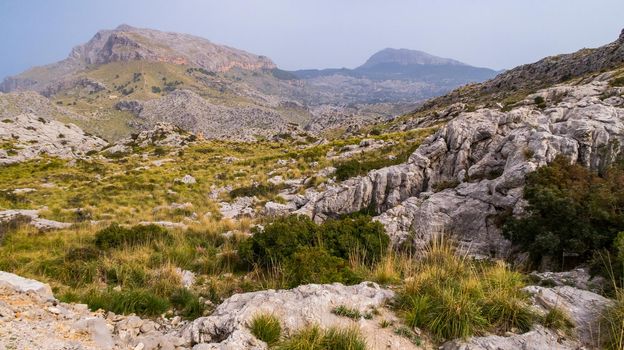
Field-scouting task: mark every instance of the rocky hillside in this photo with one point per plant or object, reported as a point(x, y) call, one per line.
point(28, 136)
point(473, 169)
point(511, 86)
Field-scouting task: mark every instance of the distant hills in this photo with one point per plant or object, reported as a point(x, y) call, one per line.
point(394, 75)
point(128, 79)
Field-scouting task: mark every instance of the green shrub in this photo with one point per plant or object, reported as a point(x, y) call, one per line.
point(540, 102)
point(453, 297)
point(278, 241)
point(136, 301)
point(187, 303)
point(116, 236)
point(311, 253)
point(346, 311)
point(255, 190)
point(556, 318)
point(316, 265)
point(356, 234)
point(314, 338)
point(266, 328)
point(617, 82)
point(572, 213)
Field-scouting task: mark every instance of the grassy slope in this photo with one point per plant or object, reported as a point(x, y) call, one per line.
point(140, 80)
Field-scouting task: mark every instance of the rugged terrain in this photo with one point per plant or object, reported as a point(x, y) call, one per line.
point(174, 240)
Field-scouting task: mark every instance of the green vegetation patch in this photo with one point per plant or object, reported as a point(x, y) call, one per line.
point(311, 253)
point(266, 327)
point(573, 213)
point(452, 297)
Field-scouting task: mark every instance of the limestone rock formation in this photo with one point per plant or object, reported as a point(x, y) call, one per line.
point(26, 136)
point(296, 308)
point(191, 112)
point(474, 168)
point(538, 339)
point(583, 307)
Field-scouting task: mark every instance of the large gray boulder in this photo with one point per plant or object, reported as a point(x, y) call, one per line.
point(296, 308)
point(23, 285)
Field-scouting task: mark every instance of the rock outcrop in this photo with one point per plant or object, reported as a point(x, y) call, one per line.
point(31, 318)
point(31, 217)
point(538, 339)
point(296, 308)
point(583, 308)
point(462, 177)
point(189, 111)
point(27, 136)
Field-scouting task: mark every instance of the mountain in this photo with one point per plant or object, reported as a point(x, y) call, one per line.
point(393, 75)
point(187, 80)
point(405, 57)
point(128, 79)
point(126, 44)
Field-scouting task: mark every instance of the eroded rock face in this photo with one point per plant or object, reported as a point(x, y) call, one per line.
point(474, 168)
point(296, 308)
point(26, 136)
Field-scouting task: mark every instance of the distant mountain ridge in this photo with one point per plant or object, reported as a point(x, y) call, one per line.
point(128, 79)
point(406, 57)
point(404, 64)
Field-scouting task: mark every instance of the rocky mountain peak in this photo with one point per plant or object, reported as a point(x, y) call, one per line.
point(621, 38)
point(406, 57)
point(127, 43)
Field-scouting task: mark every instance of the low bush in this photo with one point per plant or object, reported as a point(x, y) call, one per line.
point(136, 301)
point(572, 213)
point(453, 297)
point(311, 253)
point(115, 236)
point(186, 303)
point(266, 327)
point(314, 338)
point(255, 190)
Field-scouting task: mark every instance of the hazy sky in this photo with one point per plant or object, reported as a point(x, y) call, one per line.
point(321, 33)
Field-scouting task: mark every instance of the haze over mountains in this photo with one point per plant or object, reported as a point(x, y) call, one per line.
point(130, 78)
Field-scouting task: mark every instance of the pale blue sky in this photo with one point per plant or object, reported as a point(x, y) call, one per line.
point(321, 33)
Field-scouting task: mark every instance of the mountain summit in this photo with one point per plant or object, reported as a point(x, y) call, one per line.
point(405, 57)
point(126, 43)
